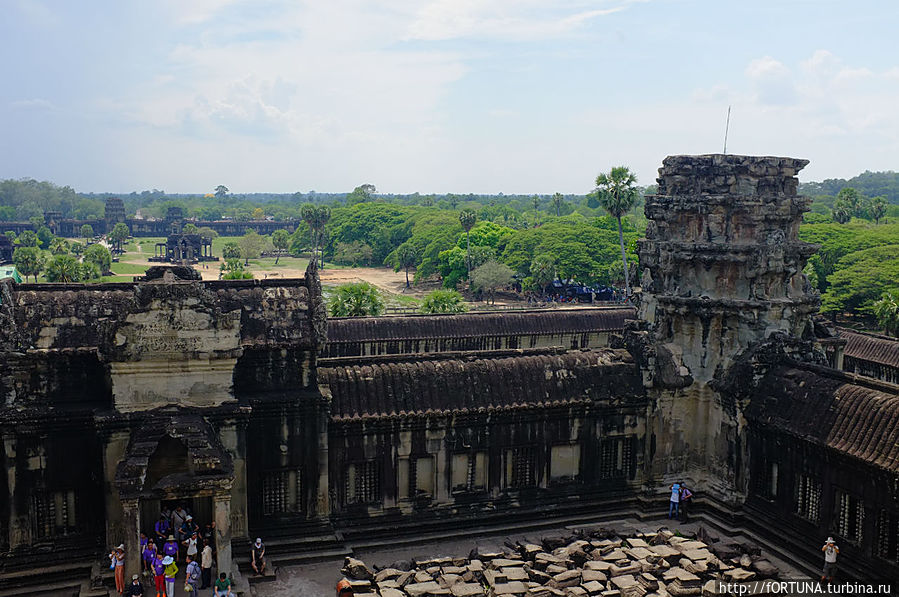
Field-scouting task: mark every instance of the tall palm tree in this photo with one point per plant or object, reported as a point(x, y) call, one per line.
point(406, 258)
point(468, 218)
point(558, 200)
point(617, 195)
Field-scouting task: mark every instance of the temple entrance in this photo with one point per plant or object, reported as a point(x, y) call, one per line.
point(199, 507)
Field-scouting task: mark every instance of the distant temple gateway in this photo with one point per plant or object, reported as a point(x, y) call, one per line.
point(241, 400)
point(184, 249)
point(172, 223)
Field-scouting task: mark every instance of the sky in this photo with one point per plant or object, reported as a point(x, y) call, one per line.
point(435, 96)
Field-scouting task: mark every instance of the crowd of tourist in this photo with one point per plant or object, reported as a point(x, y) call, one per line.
point(176, 539)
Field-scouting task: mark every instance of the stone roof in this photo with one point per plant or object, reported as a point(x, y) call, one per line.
point(561, 321)
point(364, 388)
point(825, 408)
point(870, 347)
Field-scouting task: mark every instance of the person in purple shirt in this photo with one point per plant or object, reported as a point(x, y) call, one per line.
point(149, 555)
point(161, 528)
point(159, 575)
point(171, 547)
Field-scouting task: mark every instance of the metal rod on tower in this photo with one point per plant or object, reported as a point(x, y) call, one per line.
point(726, 127)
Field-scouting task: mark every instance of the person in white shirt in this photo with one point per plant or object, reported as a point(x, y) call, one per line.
point(831, 550)
point(674, 504)
point(206, 565)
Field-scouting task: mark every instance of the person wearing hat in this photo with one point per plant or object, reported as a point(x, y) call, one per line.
point(171, 570)
point(674, 502)
point(159, 574)
point(135, 588)
point(831, 550)
point(119, 561)
point(258, 557)
point(222, 586)
point(170, 548)
point(191, 544)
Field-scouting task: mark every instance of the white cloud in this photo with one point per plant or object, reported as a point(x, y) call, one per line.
point(772, 80)
point(505, 19)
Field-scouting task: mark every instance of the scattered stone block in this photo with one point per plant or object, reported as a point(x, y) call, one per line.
point(466, 589)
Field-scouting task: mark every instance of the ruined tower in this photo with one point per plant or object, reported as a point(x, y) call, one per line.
point(722, 272)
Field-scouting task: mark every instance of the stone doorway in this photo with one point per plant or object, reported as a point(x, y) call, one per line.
point(199, 507)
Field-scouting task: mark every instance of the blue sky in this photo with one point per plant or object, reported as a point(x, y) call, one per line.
point(513, 96)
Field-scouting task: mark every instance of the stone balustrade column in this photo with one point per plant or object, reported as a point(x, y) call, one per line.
point(222, 516)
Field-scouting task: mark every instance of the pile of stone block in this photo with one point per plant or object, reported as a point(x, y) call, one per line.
point(597, 563)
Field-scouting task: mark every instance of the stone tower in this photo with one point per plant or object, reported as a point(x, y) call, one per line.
point(722, 272)
point(114, 213)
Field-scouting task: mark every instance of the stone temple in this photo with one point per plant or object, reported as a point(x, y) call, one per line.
point(241, 399)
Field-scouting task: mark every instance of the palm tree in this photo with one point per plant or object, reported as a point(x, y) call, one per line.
point(443, 301)
point(878, 208)
point(316, 218)
point(617, 195)
point(64, 268)
point(886, 310)
point(558, 200)
point(842, 211)
point(406, 257)
point(468, 218)
point(59, 246)
point(356, 300)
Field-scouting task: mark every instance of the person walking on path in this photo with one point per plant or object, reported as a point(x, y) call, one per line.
point(171, 547)
point(161, 528)
point(674, 503)
point(149, 555)
point(191, 544)
point(831, 551)
point(159, 575)
point(193, 575)
point(171, 570)
point(206, 565)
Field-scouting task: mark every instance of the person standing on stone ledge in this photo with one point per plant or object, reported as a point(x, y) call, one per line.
point(686, 500)
point(831, 550)
point(674, 502)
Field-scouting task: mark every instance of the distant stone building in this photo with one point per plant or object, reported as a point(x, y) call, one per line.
point(225, 395)
point(6, 249)
point(184, 249)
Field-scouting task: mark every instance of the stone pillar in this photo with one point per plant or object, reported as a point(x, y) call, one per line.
point(221, 504)
point(19, 529)
point(131, 528)
point(113, 453)
point(722, 272)
point(230, 437)
point(322, 501)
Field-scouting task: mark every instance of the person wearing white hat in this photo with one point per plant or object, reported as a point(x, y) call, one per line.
point(119, 561)
point(258, 557)
point(171, 569)
point(831, 550)
point(135, 589)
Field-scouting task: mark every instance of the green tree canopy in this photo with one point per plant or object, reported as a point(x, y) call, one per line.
point(443, 301)
point(29, 261)
point(490, 277)
point(356, 300)
point(280, 240)
point(886, 311)
point(617, 195)
point(99, 256)
point(231, 250)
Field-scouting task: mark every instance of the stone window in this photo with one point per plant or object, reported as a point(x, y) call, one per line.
point(52, 513)
point(565, 463)
point(282, 492)
point(469, 472)
point(765, 481)
point(850, 516)
point(808, 497)
point(615, 457)
point(421, 477)
point(521, 464)
point(887, 546)
point(363, 482)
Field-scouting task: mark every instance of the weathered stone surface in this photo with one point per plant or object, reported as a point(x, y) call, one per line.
point(356, 569)
point(466, 589)
point(424, 589)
